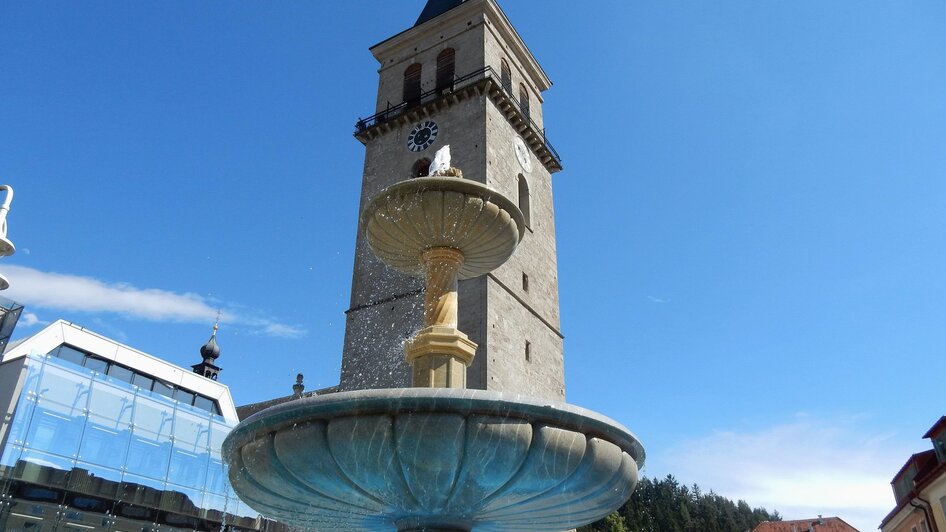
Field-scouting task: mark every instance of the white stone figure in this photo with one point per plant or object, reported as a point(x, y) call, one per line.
point(441, 162)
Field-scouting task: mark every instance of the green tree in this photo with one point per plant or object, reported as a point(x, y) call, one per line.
point(669, 506)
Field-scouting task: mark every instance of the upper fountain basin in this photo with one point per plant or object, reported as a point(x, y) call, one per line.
point(412, 216)
point(450, 459)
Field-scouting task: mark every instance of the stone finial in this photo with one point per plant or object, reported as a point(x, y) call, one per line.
point(298, 387)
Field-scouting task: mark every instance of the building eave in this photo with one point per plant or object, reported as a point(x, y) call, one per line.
point(936, 427)
point(497, 21)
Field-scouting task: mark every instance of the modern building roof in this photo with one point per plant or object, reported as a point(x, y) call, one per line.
point(435, 8)
point(817, 524)
point(63, 332)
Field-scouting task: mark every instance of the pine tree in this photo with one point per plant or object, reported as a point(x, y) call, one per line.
point(668, 506)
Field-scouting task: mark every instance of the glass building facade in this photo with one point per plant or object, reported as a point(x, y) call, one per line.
point(85, 448)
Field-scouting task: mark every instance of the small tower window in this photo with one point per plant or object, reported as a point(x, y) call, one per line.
point(524, 200)
point(421, 168)
point(446, 68)
point(524, 101)
point(412, 84)
point(525, 282)
point(505, 76)
point(528, 351)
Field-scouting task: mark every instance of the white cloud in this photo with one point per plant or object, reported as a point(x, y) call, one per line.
point(801, 468)
point(285, 331)
point(29, 319)
point(59, 291)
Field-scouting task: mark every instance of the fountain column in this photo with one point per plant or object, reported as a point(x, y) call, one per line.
point(439, 354)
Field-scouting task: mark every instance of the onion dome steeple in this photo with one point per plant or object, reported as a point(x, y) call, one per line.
point(209, 352)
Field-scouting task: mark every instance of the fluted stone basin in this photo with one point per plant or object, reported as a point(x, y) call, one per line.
point(413, 216)
point(432, 459)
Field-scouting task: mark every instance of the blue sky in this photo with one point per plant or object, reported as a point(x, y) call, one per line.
point(750, 222)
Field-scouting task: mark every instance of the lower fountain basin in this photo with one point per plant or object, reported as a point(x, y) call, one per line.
point(432, 459)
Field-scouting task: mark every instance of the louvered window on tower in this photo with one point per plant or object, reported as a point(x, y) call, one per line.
point(412, 84)
point(446, 69)
point(524, 201)
point(524, 101)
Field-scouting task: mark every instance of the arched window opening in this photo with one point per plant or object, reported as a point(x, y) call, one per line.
point(412, 84)
point(524, 101)
point(524, 200)
point(446, 68)
point(505, 76)
point(421, 168)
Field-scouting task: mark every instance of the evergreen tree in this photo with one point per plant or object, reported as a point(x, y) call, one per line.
point(668, 506)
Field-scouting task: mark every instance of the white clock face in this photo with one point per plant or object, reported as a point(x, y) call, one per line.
point(523, 155)
point(422, 136)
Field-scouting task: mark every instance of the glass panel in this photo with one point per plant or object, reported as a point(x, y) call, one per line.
point(148, 455)
point(21, 420)
point(35, 371)
point(213, 501)
point(153, 415)
point(96, 364)
point(191, 431)
point(187, 468)
point(11, 454)
point(121, 373)
point(163, 388)
point(216, 477)
point(104, 446)
point(110, 406)
point(204, 403)
point(94, 480)
point(218, 433)
point(142, 491)
point(181, 499)
point(54, 430)
point(63, 386)
point(184, 396)
point(43, 468)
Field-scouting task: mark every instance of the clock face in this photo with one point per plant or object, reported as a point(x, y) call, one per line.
point(422, 136)
point(523, 155)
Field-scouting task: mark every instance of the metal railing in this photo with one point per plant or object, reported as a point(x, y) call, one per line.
point(393, 111)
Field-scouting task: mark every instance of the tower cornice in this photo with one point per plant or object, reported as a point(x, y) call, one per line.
point(496, 21)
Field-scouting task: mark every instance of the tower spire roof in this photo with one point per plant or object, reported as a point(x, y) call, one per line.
point(435, 8)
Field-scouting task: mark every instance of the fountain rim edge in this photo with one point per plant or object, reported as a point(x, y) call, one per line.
point(435, 400)
point(447, 184)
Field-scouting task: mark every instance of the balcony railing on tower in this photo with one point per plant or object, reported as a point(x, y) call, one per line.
point(486, 75)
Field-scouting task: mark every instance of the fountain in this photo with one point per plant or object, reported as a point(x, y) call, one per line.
point(438, 456)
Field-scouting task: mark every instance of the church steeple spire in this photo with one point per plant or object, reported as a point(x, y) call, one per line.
point(435, 8)
point(210, 352)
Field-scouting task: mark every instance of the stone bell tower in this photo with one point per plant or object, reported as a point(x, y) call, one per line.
point(462, 76)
